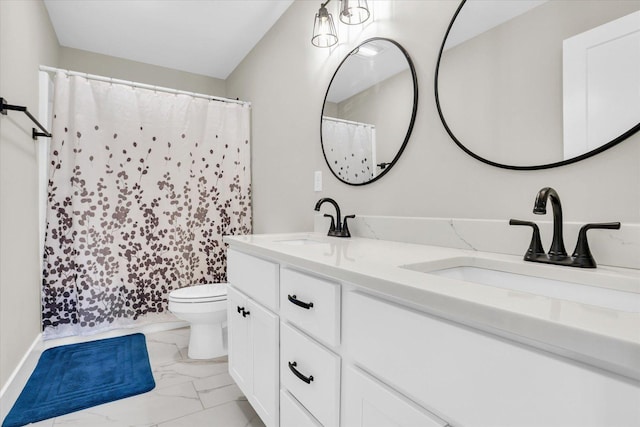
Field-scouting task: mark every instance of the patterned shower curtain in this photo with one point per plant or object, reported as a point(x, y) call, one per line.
point(350, 149)
point(142, 187)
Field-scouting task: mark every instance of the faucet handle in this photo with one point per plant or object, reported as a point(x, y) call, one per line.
point(345, 228)
point(332, 227)
point(582, 256)
point(535, 247)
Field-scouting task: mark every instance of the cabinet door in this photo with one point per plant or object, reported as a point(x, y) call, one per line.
point(264, 333)
point(476, 379)
point(369, 403)
point(239, 344)
point(293, 414)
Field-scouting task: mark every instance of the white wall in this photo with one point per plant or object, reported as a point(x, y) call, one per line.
point(26, 41)
point(285, 78)
point(124, 69)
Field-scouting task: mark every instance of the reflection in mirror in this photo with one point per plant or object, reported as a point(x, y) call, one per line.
point(369, 111)
point(531, 84)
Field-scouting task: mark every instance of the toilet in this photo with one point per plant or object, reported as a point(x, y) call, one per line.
point(205, 308)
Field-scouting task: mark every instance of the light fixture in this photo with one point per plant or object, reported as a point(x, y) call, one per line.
point(353, 12)
point(324, 32)
point(369, 49)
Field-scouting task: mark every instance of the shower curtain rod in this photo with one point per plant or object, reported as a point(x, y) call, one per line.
point(141, 85)
point(349, 122)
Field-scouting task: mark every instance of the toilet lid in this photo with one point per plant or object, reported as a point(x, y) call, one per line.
point(200, 293)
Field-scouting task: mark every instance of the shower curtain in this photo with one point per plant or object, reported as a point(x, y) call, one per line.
point(350, 149)
point(142, 187)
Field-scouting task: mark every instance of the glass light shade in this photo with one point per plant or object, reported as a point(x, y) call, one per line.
point(324, 32)
point(353, 12)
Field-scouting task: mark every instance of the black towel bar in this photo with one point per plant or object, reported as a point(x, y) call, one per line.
point(4, 107)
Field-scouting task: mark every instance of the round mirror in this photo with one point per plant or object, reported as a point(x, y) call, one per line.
point(369, 111)
point(534, 84)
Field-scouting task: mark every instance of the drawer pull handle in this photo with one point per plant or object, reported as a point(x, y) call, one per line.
point(292, 366)
point(294, 300)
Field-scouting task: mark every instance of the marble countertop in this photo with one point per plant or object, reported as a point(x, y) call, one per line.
point(602, 337)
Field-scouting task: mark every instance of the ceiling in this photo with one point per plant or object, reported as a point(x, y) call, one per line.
point(208, 37)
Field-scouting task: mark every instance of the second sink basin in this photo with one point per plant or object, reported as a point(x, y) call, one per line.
point(497, 274)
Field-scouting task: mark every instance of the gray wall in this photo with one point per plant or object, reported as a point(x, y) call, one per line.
point(26, 41)
point(510, 106)
point(285, 78)
point(124, 69)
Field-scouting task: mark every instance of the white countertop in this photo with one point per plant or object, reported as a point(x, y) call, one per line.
point(606, 338)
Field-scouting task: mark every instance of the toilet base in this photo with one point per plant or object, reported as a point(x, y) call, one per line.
point(206, 341)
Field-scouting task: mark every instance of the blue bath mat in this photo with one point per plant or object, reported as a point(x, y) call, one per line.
point(77, 376)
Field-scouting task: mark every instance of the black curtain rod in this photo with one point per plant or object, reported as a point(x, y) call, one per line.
point(4, 107)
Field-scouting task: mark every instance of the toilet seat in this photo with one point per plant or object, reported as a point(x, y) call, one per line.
point(199, 294)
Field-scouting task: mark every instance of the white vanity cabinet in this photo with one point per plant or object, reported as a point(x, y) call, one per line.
point(254, 334)
point(475, 379)
point(320, 352)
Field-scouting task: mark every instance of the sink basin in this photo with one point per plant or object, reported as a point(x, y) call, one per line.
point(299, 242)
point(563, 289)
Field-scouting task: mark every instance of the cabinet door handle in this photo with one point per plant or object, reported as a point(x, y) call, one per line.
point(294, 300)
point(240, 310)
point(292, 366)
point(245, 313)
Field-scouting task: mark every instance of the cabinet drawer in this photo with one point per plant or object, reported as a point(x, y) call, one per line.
point(369, 403)
point(476, 379)
point(311, 373)
point(311, 304)
point(292, 414)
point(255, 277)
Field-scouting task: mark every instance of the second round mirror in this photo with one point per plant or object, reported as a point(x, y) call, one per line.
point(369, 111)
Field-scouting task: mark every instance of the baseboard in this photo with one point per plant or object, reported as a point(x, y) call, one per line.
point(18, 378)
point(147, 328)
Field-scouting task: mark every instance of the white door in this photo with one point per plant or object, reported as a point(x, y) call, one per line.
point(239, 344)
point(601, 84)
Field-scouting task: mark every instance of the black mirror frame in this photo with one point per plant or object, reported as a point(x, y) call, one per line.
point(591, 153)
point(413, 111)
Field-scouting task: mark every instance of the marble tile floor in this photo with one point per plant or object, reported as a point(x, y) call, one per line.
point(188, 393)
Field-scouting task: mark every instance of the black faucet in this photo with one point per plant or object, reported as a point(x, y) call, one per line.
point(581, 256)
point(557, 251)
point(337, 228)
